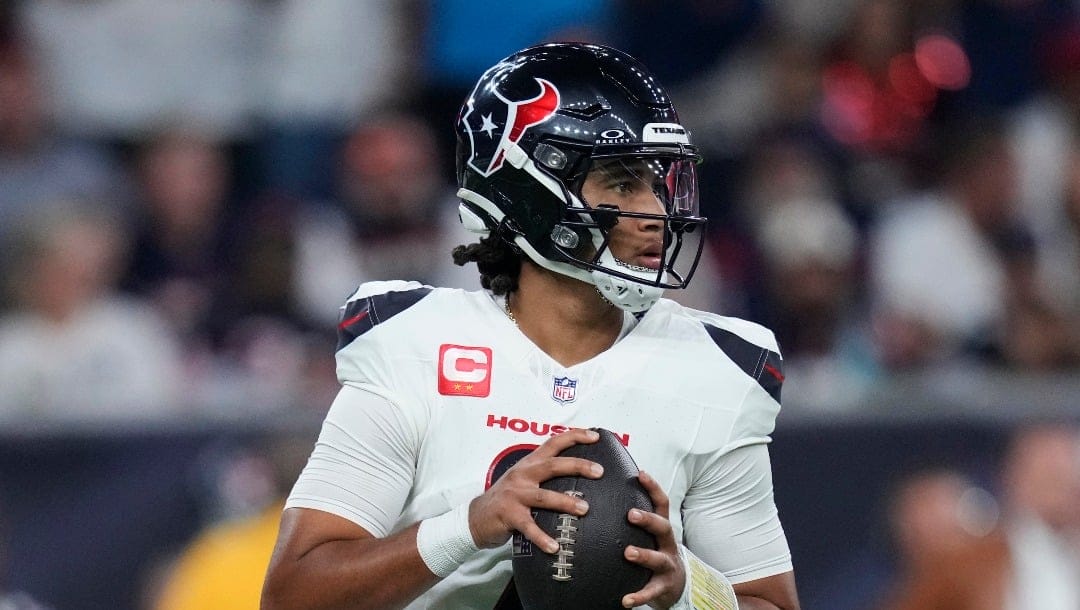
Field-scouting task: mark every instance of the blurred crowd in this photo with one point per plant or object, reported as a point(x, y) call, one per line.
point(957, 536)
point(189, 190)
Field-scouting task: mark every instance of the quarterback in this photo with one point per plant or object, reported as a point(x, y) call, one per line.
point(580, 183)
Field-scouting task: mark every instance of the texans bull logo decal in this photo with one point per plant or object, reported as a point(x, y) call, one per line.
point(494, 127)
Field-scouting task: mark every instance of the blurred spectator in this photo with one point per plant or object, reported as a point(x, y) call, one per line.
point(37, 165)
point(884, 78)
point(329, 60)
point(810, 249)
point(212, 274)
point(1046, 139)
point(1060, 251)
point(325, 63)
point(929, 513)
point(287, 271)
point(887, 74)
point(786, 168)
point(1047, 126)
point(120, 67)
point(180, 256)
point(1033, 559)
point(289, 75)
point(770, 84)
point(395, 215)
point(947, 263)
point(224, 564)
point(1042, 330)
point(780, 169)
point(73, 349)
point(751, 117)
point(741, 73)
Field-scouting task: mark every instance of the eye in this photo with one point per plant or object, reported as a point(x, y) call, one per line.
point(622, 182)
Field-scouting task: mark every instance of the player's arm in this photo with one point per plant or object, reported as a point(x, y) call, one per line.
point(325, 561)
point(334, 545)
point(361, 472)
point(729, 521)
point(709, 589)
point(682, 581)
point(768, 593)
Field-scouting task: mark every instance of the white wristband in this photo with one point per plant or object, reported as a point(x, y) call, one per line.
point(706, 588)
point(446, 541)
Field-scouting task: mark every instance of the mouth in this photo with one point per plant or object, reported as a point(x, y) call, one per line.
point(646, 260)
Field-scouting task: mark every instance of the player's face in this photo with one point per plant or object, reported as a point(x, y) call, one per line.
point(631, 185)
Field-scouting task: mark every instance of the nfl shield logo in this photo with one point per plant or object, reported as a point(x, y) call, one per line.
point(564, 390)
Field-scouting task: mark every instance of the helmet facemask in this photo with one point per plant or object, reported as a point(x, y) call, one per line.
point(642, 218)
point(584, 242)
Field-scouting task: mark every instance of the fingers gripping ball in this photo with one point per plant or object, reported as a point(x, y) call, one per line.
point(589, 570)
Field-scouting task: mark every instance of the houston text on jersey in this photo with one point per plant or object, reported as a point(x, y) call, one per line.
point(537, 428)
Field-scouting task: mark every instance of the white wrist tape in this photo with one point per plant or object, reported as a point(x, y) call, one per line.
point(706, 588)
point(445, 542)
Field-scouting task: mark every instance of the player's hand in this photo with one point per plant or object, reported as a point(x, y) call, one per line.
point(669, 578)
point(507, 505)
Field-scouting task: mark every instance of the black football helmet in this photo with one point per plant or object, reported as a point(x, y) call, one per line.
point(530, 132)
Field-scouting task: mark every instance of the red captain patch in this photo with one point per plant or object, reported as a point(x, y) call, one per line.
point(464, 370)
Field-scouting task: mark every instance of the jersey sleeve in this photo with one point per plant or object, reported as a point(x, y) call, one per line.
point(363, 463)
point(366, 333)
point(730, 518)
point(752, 351)
point(729, 515)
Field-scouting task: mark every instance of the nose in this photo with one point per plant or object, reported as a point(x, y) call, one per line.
point(648, 203)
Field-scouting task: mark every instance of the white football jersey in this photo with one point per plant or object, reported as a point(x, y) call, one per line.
point(461, 394)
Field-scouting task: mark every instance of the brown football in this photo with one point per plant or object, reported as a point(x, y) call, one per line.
point(589, 570)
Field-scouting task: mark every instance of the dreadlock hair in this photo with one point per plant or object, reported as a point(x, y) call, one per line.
point(499, 263)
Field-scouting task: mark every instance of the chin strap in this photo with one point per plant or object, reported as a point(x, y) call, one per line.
point(624, 294)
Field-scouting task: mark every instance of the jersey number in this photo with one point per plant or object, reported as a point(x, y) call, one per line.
point(507, 458)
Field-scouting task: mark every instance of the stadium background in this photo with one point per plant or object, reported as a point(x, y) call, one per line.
point(189, 189)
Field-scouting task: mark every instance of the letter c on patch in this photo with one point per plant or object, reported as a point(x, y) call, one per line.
point(464, 370)
point(464, 364)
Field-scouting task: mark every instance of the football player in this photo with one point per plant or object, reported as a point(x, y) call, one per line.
point(581, 184)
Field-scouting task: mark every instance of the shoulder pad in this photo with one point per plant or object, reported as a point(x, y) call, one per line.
point(761, 363)
point(373, 305)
